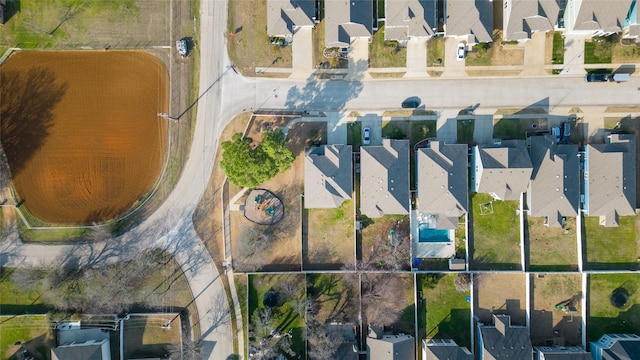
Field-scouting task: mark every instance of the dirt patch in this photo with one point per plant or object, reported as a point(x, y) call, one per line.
point(81, 131)
point(500, 294)
point(551, 324)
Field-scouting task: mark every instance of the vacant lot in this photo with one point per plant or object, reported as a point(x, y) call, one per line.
point(604, 317)
point(377, 249)
point(496, 235)
point(611, 247)
point(25, 332)
point(147, 336)
point(548, 321)
point(444, 311)
point(78, 162)
point(327, 236)
point(500, 294)
point(552, 248)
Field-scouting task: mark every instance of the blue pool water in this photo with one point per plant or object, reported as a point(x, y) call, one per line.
point(426, 234)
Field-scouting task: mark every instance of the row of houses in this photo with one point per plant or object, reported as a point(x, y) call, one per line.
point(471, 21)
point(550, 173)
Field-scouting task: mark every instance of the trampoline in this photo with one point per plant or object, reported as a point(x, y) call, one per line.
point(619, 298)
point(263, 207)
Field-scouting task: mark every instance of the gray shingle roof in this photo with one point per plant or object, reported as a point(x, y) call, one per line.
point(283, 15)
point(406, 18)
point(607, 16)
point(345, 19)
point(445, 350)
point(442, 181)
point(384, 178)
point(622, 350)
point(391, 347)
point(328, 180)
point(563, 352)
point(84, 352)
point(503, 171)
point(474, 18)
point(554, 190)
point(611, 178)
point(503, 341)
point(522, 17)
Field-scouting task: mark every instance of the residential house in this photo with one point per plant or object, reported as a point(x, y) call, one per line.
point(472, 20)
point(554, 190)
point(561, 353)
point(80, 344)
point(595, 17)
point(610, 178)
point(284, 17)
point(442, 182)
point(521, 18)
point(631, 28)
point(409, 18)
point(382, 346)
point(328, 179)
point(384, 179)
point(503, 340)
point(444, 349)
point(346, 20)
point(502, 170)
point(616, 347)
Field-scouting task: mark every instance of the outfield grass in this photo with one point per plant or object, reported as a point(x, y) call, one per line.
point(496, 236)
point(435, 51)
point(32, 332)
point(445, 314)
point(609, 248)
point(386, 53)
point(605, 318)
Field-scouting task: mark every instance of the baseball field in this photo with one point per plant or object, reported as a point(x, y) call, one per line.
point(81, 131)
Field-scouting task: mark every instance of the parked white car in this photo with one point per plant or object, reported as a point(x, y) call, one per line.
point(366, 136)
point(461, 51)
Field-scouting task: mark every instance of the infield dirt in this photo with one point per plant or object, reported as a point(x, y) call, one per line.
point(81, 131)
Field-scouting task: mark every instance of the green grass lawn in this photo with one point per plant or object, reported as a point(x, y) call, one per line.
point(386, 53)
point(241, 288)
point(509, 129)
point(597, 52)
point(552, 249)
point(328, 235)
point(354, 135)
point(146, 336)
point(460, 237)
point(444, 313)
point(480, 56)
point(557, 56)
point(16, 300)
point(333, 297)
point(604, 317)
point(435, 51)
point(496, 236)
point(409, 129)
point(611, 247)
point(284, 316)
point(465, 131)
point(33, 332)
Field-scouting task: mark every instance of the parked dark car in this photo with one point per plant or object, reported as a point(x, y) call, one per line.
point(411, 103)
point(597, 77)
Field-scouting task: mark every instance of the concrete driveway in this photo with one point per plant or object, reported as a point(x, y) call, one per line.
point(534, 55)
point(374, 122)
point(417, 57)
point(302, 50)
point(574, 54)
point(452, 66)
point(358, 59)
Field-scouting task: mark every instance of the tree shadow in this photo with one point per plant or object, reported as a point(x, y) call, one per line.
point(27, 102)
point(11, 8)
point(627, 322)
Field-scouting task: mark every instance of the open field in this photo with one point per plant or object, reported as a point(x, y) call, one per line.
point(146, 336)
point(327, 236)
point(497, 293)
point(78, 162)
point(31, 332)
point(495, 237)
point(604, 317)
point(547, 291)
point(444, 311)
point(609, 248)
point(552, 248)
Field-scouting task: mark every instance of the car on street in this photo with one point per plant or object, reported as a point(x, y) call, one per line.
point(597, 76)
point(366, 136)
point(411, 103)
point(461, 51)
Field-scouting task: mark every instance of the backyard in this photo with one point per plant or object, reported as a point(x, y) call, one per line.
point(277, 302)
point(327, 237)
point(444, 311)
point(603, 316)
point(609, 248)
point(377, 249)
point(31, 332)
point(500, 293)
point(495, 241)
point(556, 305)
point(147, 335)
point(334, 297)
point(552, 249)
point(383, 54)
point(388, 300)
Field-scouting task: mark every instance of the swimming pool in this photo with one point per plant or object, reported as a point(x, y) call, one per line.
point(427, 234)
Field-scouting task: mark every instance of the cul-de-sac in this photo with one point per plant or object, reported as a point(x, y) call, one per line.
point(319, 179)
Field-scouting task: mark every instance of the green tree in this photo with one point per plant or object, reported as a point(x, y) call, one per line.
point(248, 165)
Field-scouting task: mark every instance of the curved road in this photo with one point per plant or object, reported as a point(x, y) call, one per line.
point(225, 93)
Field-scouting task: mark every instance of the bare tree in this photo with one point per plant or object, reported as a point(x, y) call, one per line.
point(187, 349)
point(323, 342)
point(379, 297)
point(462, 282)
point(252, 244)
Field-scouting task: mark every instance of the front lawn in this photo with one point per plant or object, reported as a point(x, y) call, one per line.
point(557, 56)
point(604, 317)
point(444, 311)
point(610, 248)
point(552, 249)
point(435, 51)
point(496, 235)
point(354, 135)
point(597, 51)
point(465, 131)
point(383, 54)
